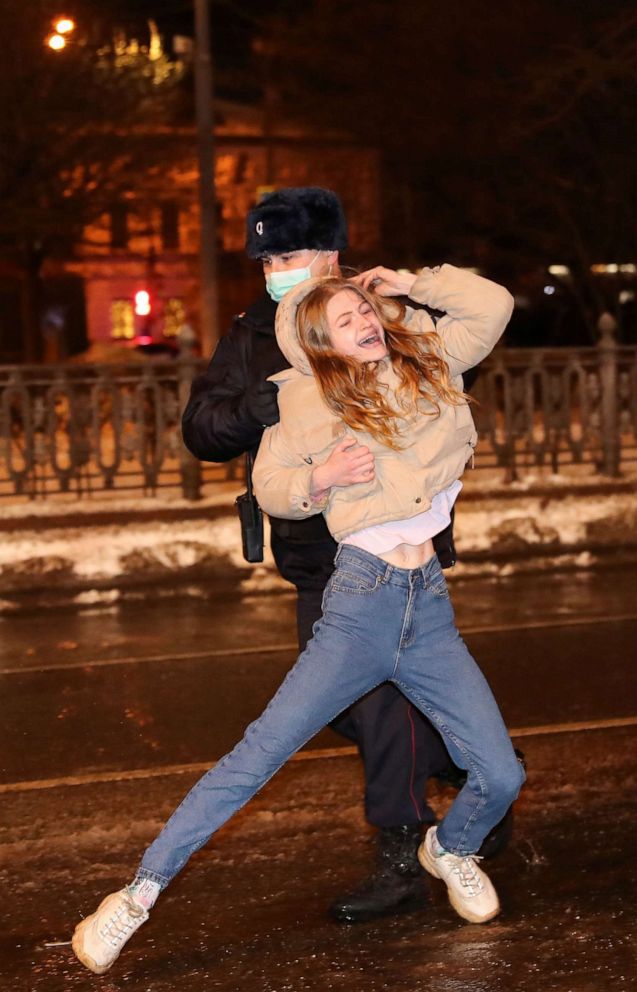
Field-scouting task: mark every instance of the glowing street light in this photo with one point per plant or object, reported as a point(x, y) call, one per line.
point(64, 25)
point(143, 304)
point(56, 41)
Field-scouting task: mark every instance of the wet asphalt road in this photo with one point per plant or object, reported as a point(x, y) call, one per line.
point(107, 713)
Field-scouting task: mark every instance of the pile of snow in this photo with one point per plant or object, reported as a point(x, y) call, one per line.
point(561, 524)
point(108, 552)
point(565, 520)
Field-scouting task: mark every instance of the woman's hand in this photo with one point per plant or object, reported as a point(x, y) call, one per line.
point(386, 282)
point(348, 464)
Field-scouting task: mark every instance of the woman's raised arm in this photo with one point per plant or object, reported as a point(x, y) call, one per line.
point(476, 309)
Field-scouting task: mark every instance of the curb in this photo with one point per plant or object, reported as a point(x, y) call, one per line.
point(211, 581)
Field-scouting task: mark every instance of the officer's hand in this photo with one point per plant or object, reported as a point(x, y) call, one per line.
point(261, 402)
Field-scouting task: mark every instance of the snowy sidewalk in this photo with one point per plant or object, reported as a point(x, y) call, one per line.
point(81, 548)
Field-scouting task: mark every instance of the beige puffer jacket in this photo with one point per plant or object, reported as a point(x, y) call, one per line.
point(436, 449)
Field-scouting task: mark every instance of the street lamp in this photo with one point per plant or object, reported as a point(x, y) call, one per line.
point(62, 27)
point(56, 41)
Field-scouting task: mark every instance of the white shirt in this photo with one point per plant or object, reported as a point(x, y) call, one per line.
point(414, 530)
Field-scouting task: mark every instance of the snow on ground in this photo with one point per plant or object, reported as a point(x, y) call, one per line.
point(102, 551)
point(562, 521)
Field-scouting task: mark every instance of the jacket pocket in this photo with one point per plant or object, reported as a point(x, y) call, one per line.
point(317, 447)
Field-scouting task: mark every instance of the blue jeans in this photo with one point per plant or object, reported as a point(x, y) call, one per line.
point(380, 623)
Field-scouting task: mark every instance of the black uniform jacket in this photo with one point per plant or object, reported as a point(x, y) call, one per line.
point(216, 424)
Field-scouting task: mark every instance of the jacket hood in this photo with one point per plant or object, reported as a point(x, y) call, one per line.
point(285, 324)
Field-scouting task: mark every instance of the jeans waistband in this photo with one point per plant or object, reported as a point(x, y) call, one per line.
point(347, 553)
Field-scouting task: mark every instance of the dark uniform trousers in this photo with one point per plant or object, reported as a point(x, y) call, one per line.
point(400, 749)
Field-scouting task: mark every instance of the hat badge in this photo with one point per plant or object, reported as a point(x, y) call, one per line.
point(259, 227)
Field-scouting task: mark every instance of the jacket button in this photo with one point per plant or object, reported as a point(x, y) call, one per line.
point(418, 499)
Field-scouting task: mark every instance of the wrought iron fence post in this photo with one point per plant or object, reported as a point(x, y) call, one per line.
point(607, 348)
point(186, 368)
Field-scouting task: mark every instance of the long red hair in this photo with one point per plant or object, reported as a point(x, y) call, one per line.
point(351, 389)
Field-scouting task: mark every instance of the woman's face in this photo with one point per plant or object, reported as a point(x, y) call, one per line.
point(355, 330)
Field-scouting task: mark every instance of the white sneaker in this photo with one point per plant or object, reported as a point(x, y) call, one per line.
point(99, 938)
point(471, 892)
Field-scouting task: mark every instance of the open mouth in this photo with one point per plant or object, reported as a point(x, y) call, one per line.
point(370, 341)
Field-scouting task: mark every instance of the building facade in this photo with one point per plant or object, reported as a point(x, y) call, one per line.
point(139, 261)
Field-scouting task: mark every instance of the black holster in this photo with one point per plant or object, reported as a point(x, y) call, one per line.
point(251, 518)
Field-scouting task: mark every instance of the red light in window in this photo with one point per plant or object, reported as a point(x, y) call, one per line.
point(142, 303)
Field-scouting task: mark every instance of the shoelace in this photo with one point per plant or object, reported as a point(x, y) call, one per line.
point(467, 873)
point(121, 923)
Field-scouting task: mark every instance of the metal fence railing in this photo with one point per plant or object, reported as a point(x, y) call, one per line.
point(106, 428)
point(95, 428)
point(558, 407)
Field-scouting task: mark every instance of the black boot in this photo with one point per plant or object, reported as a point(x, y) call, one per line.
point(396, 886)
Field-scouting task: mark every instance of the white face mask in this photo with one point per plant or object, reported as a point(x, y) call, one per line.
point(279, 283)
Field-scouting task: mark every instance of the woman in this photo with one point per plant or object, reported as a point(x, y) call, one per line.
point(375, 433)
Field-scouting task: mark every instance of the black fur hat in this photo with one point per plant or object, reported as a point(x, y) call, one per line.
point(296, 218)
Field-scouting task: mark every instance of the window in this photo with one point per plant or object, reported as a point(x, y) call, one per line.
point(174, 317)
point(170, 226)
point(122, 319)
